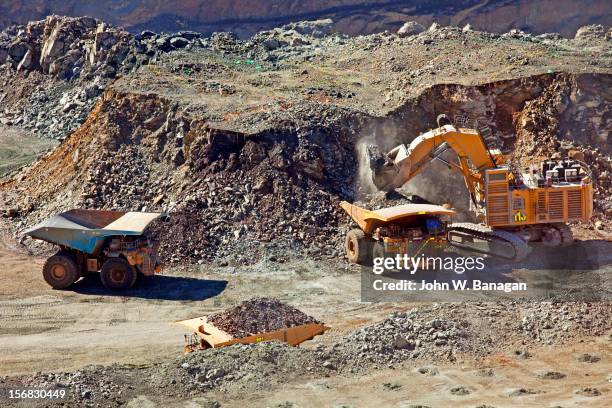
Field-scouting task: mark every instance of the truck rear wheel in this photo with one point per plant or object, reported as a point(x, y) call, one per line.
point(356, 246)
point(378, 250)
point(117, 274)
point(60, 270)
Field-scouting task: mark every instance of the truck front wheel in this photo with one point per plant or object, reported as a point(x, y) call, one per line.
point(60, 270)
point(356, 246)
point(117, 274)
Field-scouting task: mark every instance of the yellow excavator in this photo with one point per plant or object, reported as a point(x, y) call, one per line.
point(514, 206)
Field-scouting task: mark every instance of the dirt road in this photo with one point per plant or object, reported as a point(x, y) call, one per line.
point(491, 382)
point(98, 327)
point(93, 326)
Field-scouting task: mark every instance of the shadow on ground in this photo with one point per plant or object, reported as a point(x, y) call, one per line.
point(160, 287)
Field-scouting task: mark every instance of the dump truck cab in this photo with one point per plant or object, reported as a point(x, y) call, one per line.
point(116, 244)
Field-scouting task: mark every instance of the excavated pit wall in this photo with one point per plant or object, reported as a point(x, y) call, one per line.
point(534, 116)
point(229, 192)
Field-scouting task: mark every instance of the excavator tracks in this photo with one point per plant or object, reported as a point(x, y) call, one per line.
point(567, 237)
point(480, 238)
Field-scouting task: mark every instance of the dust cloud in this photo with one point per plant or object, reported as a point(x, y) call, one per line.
point(364, 173)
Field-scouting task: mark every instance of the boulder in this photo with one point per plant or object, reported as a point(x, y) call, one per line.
point(410, 28)
point(178, 42)
point(163, 43)
point(53, 47)
point(63, 67)
point(3, 55)
point(592, 31)
point(146, 34)
point(271, 44)
point(17, 51)
point(190, 35)
point(104, 40)
point(26, 61)
point(433, 27)
point(315, 28)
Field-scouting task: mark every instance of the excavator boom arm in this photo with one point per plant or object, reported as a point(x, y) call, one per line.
point(406, 161)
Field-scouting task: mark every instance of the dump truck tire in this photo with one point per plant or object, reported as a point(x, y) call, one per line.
point(118, 274)
point(60, 271)
point(356, 246)
point(378, 250)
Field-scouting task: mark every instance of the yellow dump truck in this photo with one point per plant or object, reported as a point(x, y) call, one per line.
point(403, 229)
point(206, 335)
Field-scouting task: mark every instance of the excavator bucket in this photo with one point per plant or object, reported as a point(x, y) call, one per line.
point(398, 166)
point(389, 171)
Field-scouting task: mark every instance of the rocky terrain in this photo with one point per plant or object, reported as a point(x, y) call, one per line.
point(351, 16)
point(421, 337)
point(251, 144)
point(259, 315)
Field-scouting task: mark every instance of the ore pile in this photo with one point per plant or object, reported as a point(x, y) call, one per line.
point(243, 366)
point(87, 386)
point(555, 323)
point(376, 201)
point(259, 315)
point(403, 336)
point(84, 47)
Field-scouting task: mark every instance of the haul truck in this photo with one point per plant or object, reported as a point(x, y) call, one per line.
point(403, 229)
point(516, 206)
point(114, 243)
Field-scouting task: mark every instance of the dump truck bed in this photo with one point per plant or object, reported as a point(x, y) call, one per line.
point(209, 336)
point(86, 230)
point(369, 220)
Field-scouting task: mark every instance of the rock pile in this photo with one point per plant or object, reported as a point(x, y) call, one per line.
point(64, 64)
point(67, 47)
point(153, 43)
point(252, 366)
point(593, 31)
point(554, 323)
point(410, 28)
point(259, 315)
point(403, 336)
point(303, 39)
point(232, 193)
point(90, 386)
point(75, 58)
